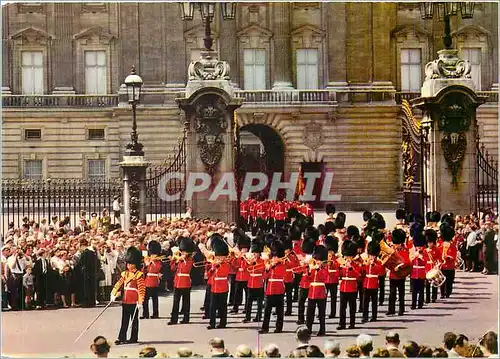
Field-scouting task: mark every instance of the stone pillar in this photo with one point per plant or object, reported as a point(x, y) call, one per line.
point(359, 44)
point(337, 38)
point(175, 59)
point(63, 49)
point(134, 189)
point(383, 22)
point(449, 105)
point(129, 30)
point(282, 67)
point(6, 59)
point(229, 49)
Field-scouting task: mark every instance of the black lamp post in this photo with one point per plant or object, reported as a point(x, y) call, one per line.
point(425, 127)
point(134, 84)
point(445, 10)
point(207, 11)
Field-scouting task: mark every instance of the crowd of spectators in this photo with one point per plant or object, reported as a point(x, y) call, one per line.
point(453, 346)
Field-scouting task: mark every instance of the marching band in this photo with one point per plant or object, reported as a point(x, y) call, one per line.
point(288, 259)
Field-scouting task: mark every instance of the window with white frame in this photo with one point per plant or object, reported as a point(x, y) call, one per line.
point(411, 70)
point(473, 55)
point(33, 170)
point(96, 170)
point(95, 72)
point(32, 72)
point(307, 69)
point(254, 61)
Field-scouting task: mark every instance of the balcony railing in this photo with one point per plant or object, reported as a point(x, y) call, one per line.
point(42, 101)
point(286, 97)
point(492, 96)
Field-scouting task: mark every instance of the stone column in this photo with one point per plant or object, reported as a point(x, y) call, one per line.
point(6, 59)
point(129, 31)
point(282, 46)
point(176, 61)
point(383, 21)
point(229, 48)
point(63, 69)
point(337, 38)
point(134, 189)
point(359, 44)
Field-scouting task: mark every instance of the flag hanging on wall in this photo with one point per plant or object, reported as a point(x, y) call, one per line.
point(301, 185)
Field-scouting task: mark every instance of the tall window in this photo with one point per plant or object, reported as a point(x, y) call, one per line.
point(95, 72)
point(307, 69)
point(96, 170)
point(473, 55)
point(32, 72)
point(255, 69)
point(411, 67)
point(33, 169)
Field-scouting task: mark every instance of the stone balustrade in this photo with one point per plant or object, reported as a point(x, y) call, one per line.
point(492, 96)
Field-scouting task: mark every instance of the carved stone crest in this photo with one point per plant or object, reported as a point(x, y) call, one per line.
point(208, 68)
point(313, 135)
point(447, 65)
point(454, 146)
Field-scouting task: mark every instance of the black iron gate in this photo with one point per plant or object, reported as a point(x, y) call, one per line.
point(36, 200)
point(487, 181)
point(166, 185)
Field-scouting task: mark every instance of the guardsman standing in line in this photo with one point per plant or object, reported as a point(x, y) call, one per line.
point(396, 277)
point(296, 237)
point(401, 217)
point(448, 257)
point(182, 281)
point(318, 274)
point(308, 245)
point(279, 214)
point(372, 270)
point(291, 262)
point(332, 281)
point(256, 271)
point(242, 274)
point(220, 287)
point(245, 215)
point(134, 290)
point(349, 273)
point(153, 267)
point(275, 288)
point(330, 211)
point(418, 270)
point(434, 256)
point(252, 210)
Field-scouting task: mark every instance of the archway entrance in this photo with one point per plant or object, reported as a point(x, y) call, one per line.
point(261, 150)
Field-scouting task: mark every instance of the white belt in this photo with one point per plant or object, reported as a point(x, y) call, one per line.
point(347, 278)
point(220, 278)
point(332, 271)
point(317, 284)
point(255, 274)
point(430, 262)
point(153, 275)
point(241, 270)
point(133, 289)
point(289, 270)
point(275, 280)
point(183, 275)
point(371, 276)
point(419, 267)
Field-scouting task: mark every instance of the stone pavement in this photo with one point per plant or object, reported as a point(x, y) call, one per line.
point(472, 310)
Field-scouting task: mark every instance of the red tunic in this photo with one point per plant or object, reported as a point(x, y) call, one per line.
point(449, 256)
point(297, 248)
point(244, 210)
point(182, 277)
point(317, 288)
point(349, 278)
point(134, 288)
point(333, 272)
point(309, 211)
point(418, 269)
point(280, 211)
point(153, 270)
point(220, 273)
point(256, 274)
point(304, 281)
point(372, 272)
point(253, 209)
point(242, 274)
point(433, 257)
point(403, 252)
point(275, 280)
point(291, 262)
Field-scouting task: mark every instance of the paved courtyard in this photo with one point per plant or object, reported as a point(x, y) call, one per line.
point(472, 310)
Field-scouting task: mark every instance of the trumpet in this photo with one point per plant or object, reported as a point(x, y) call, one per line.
point(210, 262)
point(312, 264)
point(176, 256)
point(153, 257)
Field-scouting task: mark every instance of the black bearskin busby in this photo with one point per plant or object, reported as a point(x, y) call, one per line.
point(134, 256)
point(287, 244)
point(330, 209)
point(447, 232)
point(373, 248)
point(320, 253)
point(187, 245)
point(349, 249)
point(379, 220)
point(340, 220)
point(410, 217)
point(367, 215)
point(295, 234)
point(257, 245)
point(219, 247)
point(419, 240)
point(292, 213)
point(308, 221)
point(154, 248)
point(400, 214)
point(329, 227)
point(371, 227)
point(377, 237)
point(277, 249)
point(416, 229)
point(243, 241)
point(448, 218)
point(398, 236)
point(311, 233)
point(352, 231)
point(360, 241)
point(435, 216)
point(332, 243)
point(269, 239)
point(428, 216)
point(261, 224)
point(430, 236)
point(308, 246)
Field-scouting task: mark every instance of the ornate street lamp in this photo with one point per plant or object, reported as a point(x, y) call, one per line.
point(207, 11)
point(445, 10)
point(134, 85)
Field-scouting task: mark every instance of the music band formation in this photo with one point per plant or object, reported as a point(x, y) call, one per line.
point(287, 259)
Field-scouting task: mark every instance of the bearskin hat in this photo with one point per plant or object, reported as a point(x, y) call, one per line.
point(311, 233)
point(367, 215)
point(373, 248)
point(277, 249)
point(295, 234)
point(435, 216)
point(287, 244)
point(352, 231)
point(428, 216)
point(447, 232)
point(416, 229)
point(320, 253)
point(332, 243)
point(340, 220)
point(308, 221)
point(219, 247)
point(292, 213)
point(398, 236)
point(400, 214)
point(349, 249)
point(308, 245)
point(269, 239)
point(371, 226)
point(448, 218)
point(154, 248)
point(187, 245)
point(261, 223)
point(330, 209)
point(134, 256)
point(329, 227)
point(419, 240)
point(243, 242)
point(379, 220)
point(410, 217)
point(360, 241)
point(257, 245)
point(377, 237)
point(430, 236)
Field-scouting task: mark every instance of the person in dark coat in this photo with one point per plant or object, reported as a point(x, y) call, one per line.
point(489, 250)
point(41, 270)
point(87, 267)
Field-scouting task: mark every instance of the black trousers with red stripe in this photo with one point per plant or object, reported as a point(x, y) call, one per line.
point(129, 313)
point(311, 309)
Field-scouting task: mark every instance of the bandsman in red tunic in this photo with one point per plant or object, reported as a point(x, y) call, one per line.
point(419, 263)
point(256, 271)
point(152, 269)
point(245, 212)
point(242, 274)
point(397, 278)
point(220, 287)
point(448, 258)
point(349, 275)
point(372, 270)
point(296, 237)
point(279, 214)
point(182, 280)
point(330, 212)
point(332, 281)
point(401, 219)
point(291, 262)
point(275, 288)
point(318, 274)
point(433, 255)
point(308, 245)
point(134, 290)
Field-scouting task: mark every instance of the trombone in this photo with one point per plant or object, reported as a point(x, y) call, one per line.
point(312, 263)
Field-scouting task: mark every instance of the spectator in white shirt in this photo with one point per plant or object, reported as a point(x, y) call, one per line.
point(117, 207)
point(472, 250)
point(17, 265)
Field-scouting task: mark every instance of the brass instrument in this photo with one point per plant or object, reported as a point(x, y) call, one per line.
point(268, 261)
point(312, 264)
point(446, 247)
point(153, 257)
point(210, 262)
